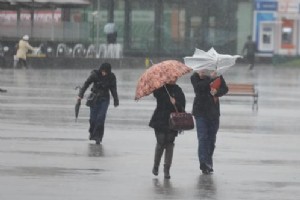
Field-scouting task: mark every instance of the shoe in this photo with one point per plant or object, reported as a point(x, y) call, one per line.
point(155, 171)
point(167, 171)
point(206, 169)
point(98, 141)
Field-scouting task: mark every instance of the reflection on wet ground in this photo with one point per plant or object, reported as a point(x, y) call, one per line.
point(47, 171)
point(206, 187)
point(96, 150)
point(45, 154)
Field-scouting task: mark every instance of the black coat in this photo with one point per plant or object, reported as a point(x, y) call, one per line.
point(101, 85)
point(204, 104)
point(164, 107)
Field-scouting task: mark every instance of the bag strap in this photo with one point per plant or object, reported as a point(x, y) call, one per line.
point(170, 97)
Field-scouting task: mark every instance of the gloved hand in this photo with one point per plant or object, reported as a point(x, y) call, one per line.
point(116, 102)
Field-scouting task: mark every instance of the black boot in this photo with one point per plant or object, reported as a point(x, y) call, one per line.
point(168, 160)
point(157, 157)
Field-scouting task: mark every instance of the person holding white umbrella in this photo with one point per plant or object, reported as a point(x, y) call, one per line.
point(206, 110)
point(206, 107)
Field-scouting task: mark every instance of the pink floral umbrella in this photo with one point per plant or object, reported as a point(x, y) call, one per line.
point(158, 75)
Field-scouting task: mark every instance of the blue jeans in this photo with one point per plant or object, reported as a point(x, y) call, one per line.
point(206, 132)
point(97, 119)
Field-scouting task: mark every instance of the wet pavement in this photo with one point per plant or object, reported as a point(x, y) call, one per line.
point(45, 154)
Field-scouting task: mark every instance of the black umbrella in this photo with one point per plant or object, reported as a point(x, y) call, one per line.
point(77, 106)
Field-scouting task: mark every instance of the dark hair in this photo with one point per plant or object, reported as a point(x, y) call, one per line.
point(249, 37)
point(105, 67)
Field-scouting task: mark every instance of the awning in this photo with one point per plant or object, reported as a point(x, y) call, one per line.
point(63, 3)
point(15, 4)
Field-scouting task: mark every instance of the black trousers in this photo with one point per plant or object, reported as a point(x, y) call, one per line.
point(165, 137)
point(22, 63)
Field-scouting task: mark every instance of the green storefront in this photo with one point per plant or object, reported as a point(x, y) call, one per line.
point(144, 27)
point(170, 27)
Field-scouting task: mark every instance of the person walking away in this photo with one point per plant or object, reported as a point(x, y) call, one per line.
point(165, 137)
point(23, 48)
point(250, 48)
point(103, 81)
point(206, 110)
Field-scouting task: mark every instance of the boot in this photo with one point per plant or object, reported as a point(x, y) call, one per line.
point(168, 160)
point(157, 157)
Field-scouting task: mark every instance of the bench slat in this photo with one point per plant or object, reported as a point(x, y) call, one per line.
point(243, 89)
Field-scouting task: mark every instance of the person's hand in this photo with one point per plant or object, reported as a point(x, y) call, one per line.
point(79, 98)
point(173, 100)
point(214, 74)
point(213, 91)
point(116, 103)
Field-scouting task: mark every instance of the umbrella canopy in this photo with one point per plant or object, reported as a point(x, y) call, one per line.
point(110, 28)
point(210, 60)
point(158, 75)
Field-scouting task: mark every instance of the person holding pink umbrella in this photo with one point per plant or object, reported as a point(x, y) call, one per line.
point(167, 98)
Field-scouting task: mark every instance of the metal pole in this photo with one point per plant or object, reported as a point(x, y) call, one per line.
point(98, 13)
point(93, 29)
point(52, 24)
point(31, 18)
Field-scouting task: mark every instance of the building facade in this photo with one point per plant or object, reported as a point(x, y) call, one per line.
point(277, 27)
point(145, 28)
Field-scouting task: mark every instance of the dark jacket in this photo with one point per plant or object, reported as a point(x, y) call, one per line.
point(204, 104)
point(164, 107)
point(101, 86)
point(250, 47)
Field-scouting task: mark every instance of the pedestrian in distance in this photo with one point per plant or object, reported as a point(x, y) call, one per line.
point(22, 48)
point(104, 81)
point(167, 97)
point(206, 111)
point(250, 49)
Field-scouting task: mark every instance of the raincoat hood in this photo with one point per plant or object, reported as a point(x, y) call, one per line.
point(105, 67)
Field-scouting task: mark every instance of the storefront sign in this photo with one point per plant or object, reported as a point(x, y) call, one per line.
point(266, 5)
point(288, 6)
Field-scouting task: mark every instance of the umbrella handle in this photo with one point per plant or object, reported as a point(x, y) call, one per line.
point(170, 97)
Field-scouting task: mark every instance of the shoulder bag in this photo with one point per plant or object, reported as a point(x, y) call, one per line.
point(180, 121)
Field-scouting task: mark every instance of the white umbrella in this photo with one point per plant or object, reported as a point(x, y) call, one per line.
point(110, 28)
point(210, 60)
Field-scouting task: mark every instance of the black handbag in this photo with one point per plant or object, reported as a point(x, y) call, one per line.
point(91, 99)
point(180, 121)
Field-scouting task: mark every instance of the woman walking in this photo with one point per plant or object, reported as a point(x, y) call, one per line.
point(167, 97)
point(103, 81)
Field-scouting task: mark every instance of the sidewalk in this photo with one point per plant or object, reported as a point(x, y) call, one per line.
point(46, 155)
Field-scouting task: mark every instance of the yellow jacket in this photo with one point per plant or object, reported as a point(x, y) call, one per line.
point(23, 48)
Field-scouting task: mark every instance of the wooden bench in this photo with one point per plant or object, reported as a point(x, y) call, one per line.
point(244, 89)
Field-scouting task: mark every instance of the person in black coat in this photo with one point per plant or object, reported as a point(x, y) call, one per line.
point(250, 49)
point(165, 137)
point(103, 81)
point(206, 110)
